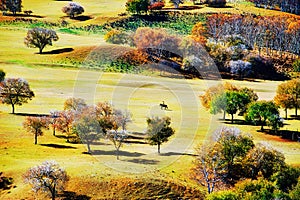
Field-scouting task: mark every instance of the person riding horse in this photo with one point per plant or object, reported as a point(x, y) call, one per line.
point(163, 106)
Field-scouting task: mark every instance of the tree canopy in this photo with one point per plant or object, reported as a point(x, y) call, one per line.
point(15, 91)
point(40, 38)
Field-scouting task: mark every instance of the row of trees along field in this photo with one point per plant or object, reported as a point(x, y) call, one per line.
point(291, 6)
point(83, 123)
point(230, 99)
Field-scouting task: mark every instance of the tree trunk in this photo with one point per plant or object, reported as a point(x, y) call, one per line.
point(262, 127)
point(296, 110)
point(232, 118)
point(158, 147)
point(53, 131)
point(89, 148)
point(117, 154)
point(286, 117)
point(35, 138)
point(53, 194)
point(40, 50)
point(224, 115)
point(13, 108)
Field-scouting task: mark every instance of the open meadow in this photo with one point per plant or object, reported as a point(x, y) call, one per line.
point(61, 72)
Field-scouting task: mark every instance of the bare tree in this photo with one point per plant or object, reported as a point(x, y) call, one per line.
point(48, 178)
point(76, 104)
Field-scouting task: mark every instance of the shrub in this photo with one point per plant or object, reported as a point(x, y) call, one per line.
point(73, 9)
point(137, 6)
point(216, 3)
point(2, 75)
point(156, 6)
point(118, 37)
point(240, 68)
point(5, 182)
point(223, 195)
point(296, 66)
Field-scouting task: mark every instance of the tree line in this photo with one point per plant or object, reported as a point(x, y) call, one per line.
point(278, 33)
point(291, 6)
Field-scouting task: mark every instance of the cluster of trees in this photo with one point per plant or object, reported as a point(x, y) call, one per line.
point(257, 171)
point(86, 123)
point(291, 6)
point(230, 99)
point(13, 6)
point(278, 33)
point(73, 9)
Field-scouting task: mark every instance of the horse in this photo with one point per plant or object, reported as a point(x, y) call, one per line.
point(163, 105)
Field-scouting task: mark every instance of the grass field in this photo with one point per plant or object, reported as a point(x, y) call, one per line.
point(54, 78)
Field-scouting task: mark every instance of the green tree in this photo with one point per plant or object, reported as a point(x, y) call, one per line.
point(40, 38)
point(36, 125)
point(159, 131)
point(137, 6)
point(13, 6)
point(286, 178)
point(263, 160)
point(259, 112)
point(48, 177)
point(275, 122)
point(221, 161)
point(15, 91)
point(87, 127)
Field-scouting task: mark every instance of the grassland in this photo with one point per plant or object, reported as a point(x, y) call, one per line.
point(54, 80)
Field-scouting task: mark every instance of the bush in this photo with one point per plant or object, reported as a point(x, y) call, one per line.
point(118, 37)
point(296, 66)
point(240, 68)
point(2, 75)
point(137, 6)
point(216, 3)
point(73, 9)
point(5, 182)
point(156, 6)
point(223, 195)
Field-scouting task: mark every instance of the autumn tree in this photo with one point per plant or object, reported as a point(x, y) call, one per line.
point(105, 116)
point(73, 9)
point(75, 104)
point(13, 6)
point(87, 127)
point(52, 120)
point(159, 131)
point(36, 125)
point(2, 75)
point(40, 38)
point(64, 122)
point(15, 91)
point(120, 120)
point(48, 178)
point(260, 112)
point(288, 95)
point(157, 42)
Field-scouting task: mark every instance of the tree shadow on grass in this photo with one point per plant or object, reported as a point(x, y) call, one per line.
point(58, 146)
point(32, 115)
point(113, 153)
point(294, 117)
point(23, 15)
point(68, 195)
point(82, 18)
point(177, 154)
point(143, 161)
point(58, 51)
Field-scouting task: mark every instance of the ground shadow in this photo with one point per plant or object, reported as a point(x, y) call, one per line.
point(82, 18)
point(143, 161)
point(23, 15)
point(294, 117)
point(58, 51)
point(113, 153)
point(195, 7)
point(32, 115)
point(284, 134)
point(58, 146)
point(68, 195)
point(177, 154)
point(236, 122)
